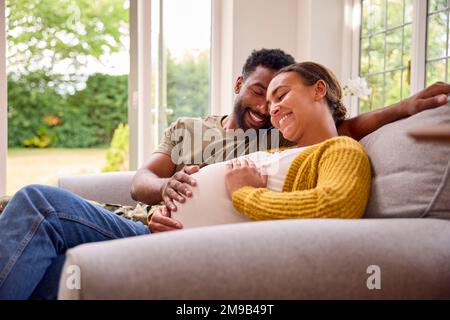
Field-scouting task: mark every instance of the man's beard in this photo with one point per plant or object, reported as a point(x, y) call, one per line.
point(239, 115)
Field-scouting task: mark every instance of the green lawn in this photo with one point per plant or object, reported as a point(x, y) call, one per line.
point(44, 166)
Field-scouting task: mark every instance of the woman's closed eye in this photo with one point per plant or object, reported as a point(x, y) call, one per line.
point(281, 96)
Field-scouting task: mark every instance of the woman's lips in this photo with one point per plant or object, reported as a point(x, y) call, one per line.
point(284, 118)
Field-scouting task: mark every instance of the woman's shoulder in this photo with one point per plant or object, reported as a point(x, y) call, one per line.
point(339, 144)
point(335, 142)
point(341, 141)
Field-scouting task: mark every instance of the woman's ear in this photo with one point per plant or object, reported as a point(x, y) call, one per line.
point(238, 84)
point(320, 89)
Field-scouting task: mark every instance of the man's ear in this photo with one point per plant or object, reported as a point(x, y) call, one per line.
point(320, 89)
point(238, 84)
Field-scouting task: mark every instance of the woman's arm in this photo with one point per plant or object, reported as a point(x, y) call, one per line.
point(341, 190)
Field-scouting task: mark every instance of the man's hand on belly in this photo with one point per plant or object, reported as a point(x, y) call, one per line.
point(178, 187)
point(161, 221)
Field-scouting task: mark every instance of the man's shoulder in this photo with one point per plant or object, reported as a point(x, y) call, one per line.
point(190, 122)
point(213, 120)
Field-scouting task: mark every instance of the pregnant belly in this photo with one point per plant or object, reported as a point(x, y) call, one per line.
point(210, 204)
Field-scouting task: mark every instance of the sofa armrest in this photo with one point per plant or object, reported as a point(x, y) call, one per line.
point(284, 259)
point(111, 187)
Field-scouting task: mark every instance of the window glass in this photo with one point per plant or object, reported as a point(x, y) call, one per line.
point(68, 66)
point(385, 51)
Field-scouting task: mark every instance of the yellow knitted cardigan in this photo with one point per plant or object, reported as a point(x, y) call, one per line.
point(327, 180)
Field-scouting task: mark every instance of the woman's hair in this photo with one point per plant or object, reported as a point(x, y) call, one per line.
point(310, 73)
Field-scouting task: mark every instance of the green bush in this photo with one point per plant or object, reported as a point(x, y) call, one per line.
point(41, 140)
point(39, 116)
point(99, 108)
point(30, 100)
point(117, 154)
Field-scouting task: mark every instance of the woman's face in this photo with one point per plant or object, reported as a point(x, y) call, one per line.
point(293, 106)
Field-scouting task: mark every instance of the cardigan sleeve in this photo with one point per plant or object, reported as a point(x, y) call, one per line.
point(341, 191)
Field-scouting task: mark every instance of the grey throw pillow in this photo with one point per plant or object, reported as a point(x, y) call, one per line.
point(409, 178)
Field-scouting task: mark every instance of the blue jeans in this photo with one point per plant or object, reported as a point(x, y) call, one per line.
point(38, 226)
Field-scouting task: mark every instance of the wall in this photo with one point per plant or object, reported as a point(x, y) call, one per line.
point(324, 36)
point(307, 29)
point(263, 24)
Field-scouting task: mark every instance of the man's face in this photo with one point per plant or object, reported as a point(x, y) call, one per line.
point(250, 107)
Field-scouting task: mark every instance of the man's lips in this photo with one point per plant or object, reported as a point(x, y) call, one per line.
point(255, 119)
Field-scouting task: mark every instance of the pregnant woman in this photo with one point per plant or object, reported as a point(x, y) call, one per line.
point(324, 176)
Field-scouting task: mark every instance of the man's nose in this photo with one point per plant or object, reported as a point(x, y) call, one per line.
point(262, 108)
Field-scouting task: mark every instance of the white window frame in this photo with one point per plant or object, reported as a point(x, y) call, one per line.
point(222, 53)
point(350, 48)
point(3, 101)
point(418, 46)
point(142, 138)
point(419, 36)
point(139, 84)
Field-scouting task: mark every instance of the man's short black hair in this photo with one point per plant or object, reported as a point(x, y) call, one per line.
point(270, 58)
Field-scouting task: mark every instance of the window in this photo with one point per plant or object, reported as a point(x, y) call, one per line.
point(180, 61)
point(67, 64)
point(385, 51)
point(389, 58)
point(180, 69)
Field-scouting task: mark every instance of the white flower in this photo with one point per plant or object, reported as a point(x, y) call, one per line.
point(357, 87)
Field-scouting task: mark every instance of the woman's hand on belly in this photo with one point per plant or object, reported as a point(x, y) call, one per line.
point(161, 221)
point(243, 173)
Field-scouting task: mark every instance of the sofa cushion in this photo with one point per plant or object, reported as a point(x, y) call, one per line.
point(409, 177)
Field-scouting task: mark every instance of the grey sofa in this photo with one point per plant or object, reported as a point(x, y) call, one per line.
point(399, 250)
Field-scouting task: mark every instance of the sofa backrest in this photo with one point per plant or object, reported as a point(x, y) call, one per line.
point(409, 178)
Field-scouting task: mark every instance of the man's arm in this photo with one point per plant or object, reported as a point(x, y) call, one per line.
point(366, 123)
point(148, 181)
point(157, 181)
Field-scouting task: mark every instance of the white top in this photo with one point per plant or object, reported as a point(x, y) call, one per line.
point(275, 165)
point(211, 204)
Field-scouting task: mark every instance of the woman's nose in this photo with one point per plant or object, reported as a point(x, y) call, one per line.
point(274, 109)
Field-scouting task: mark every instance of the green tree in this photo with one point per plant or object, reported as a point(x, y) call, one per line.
point(30, 102)
point(103, 104)
point(44, 32)
point(385, 45)
point(39, 116)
